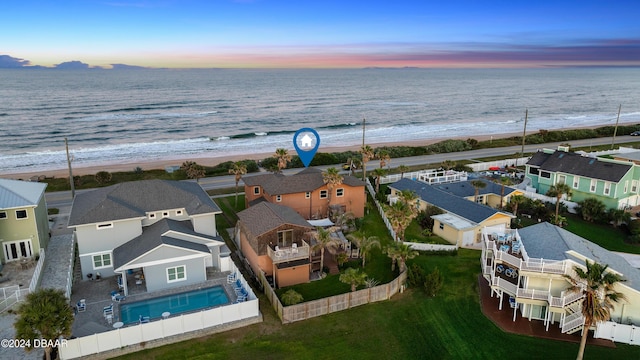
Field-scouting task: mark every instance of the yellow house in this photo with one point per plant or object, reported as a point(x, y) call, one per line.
point(463, 221)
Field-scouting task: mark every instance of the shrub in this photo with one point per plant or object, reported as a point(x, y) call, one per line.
point(291, 297)
point(103, 177)
point(416, 276)
point(433, 282)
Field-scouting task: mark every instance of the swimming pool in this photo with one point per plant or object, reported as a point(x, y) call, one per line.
point(174, 304)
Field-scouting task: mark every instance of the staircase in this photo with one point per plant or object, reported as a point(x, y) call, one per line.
point(573, 322)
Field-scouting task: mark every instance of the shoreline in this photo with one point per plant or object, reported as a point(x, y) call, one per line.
point(160, 164)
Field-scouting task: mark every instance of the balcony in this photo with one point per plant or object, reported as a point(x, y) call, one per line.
point(298, 250)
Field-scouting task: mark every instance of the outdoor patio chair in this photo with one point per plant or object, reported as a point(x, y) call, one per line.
point(499, 268)
point(81, 305)
point(143, 319)
point(120, 284)
point(107, 310)
point(118, 297)
point(294, 248)
point(512, 302)
point(231, 278)
point(241, 298)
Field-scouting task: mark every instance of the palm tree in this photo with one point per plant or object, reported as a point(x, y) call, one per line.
point(448, 164)
point(324, 240)
point(558, 190)
point(515, 201)
point(367, 154)
point(384, 157)
point(409, 197)
point(365, 244)
point(503, 181)
point(477, 185)
point(403, 169)
point(378, 173)
point(238, 169)
point(45, 314)
point(404, 252)
point(193, 170)
point(591, 209)
point(618, 216)
point(283, 158)
point(392, 252)
point(353, 277)
point(597, 286)
point(332, 178)
point(400, 216)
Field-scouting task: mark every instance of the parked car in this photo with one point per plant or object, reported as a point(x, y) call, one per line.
point(635, 133)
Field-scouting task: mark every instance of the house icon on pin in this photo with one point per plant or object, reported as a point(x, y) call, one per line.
point(305, 142)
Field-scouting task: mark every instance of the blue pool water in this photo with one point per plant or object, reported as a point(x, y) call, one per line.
point(175, 304)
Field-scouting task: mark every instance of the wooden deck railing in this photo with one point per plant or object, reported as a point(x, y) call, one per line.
point(289, 253)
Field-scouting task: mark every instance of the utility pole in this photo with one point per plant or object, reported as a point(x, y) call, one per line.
point(73, 190)
point(524, 132)
point(615, 131)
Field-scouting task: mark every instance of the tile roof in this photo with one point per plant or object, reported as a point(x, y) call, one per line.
point(16, 193)
point(466, 209)
point(265, 216)
point(575, 164)
point(152, 237)
point(134, 199)
point(550, 242)
point(308, 179)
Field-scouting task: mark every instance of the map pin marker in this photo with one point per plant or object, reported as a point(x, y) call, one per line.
point(306, 142)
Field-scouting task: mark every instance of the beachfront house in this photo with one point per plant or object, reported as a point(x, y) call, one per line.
point(306, 193)
point(272, 239)
point(493, 194)
point(615, 183)
point(24, 224)
point(157, 231)
point(525, 268)
point(463, 220)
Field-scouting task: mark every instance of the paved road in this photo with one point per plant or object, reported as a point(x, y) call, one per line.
point(62, 199)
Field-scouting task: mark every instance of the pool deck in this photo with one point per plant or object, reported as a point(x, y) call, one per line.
point(97, 295)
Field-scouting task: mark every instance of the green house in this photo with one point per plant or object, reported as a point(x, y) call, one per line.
point(615, 183)
point(24, 224)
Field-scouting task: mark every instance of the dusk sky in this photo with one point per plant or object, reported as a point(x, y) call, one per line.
point(320, 33)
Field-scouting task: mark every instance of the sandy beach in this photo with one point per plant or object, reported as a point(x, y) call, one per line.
point(214, 160)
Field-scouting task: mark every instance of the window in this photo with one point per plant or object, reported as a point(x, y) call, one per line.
point(592, 188)
point(256, 190)
point(480, 199)
point(533, 171)
point(634, 187)
point(562, 179)
point(324, 194)
point(101, 261)
point(178, 212)
point(21, 214)
point(576, 182)
point(441, 226)
point(178, 273)
point(285, 237)
point(626, 186)
point(278, 198)
point(152, 215)
point(339, 192)
point(607, 188)
point(307, 195)
point(104, 226)
point(3, 214)
point(165, 214)
point(545, 174)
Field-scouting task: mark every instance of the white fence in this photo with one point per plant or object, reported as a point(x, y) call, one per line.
point(571, 206)
point(431, 247)
point(628, 334)
point(381, 210)
point(13, 294)
point(483, 166)
point(165, 331)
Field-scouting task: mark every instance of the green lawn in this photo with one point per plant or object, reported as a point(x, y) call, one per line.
point(606, 236)
point(409, 326)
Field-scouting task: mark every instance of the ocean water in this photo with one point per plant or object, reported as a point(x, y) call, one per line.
point(117, 116)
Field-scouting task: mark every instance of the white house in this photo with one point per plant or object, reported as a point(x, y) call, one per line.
point(164, 230)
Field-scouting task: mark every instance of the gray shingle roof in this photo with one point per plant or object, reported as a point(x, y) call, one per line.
point(465, 189)
point(265, 216)
point(446, 201)
point(575, 164)
point(134, 199)
point(16, 193)
point(152, 237)
point(550, 242)
point(308, 179)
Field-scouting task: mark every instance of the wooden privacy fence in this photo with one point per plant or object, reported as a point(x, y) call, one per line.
point(314, 308)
